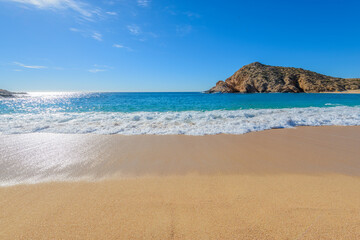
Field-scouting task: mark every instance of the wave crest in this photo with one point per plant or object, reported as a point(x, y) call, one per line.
point(187, 122)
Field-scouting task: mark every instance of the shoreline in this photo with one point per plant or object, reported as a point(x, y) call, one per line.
point(301, 183)
point(43, 157)
point(346, 92)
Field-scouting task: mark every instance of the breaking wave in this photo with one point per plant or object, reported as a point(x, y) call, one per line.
point(186, 122)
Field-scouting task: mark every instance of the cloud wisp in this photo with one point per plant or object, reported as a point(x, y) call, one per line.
point(134, 29)
point(97, 36)
point(29, 66)
point(75, 30)
point(121, 46)
point(88, 33)
point(99, 68)
point(83, 9)
point(112, 13)
point(96, 70)
point(143, 3)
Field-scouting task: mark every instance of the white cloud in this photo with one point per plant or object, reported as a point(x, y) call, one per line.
point(111, 13)
point(75, 30)
point(118, 46)
point(99, 68)
point(77, 6)
point(97, 36)
point(29, 66)
point(143, 3)
point(134, 29)
point(96, 70)
point(121, 46)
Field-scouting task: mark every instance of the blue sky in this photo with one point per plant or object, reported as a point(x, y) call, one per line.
point(173, 45)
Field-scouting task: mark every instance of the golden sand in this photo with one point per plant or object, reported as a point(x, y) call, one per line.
point(186, 207)
point(280, 184)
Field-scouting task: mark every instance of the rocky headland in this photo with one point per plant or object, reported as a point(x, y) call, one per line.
point(260, 78)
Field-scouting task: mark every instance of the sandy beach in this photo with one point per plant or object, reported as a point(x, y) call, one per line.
point(300, 183)
point(348, 91)
point(184, 120)
point(352, 91)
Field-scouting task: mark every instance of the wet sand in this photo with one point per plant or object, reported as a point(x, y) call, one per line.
point(301, 183)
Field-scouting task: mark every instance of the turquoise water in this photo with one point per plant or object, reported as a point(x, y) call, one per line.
point(164, 102)
point(173, 113)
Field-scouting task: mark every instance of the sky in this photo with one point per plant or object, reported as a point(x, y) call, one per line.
point(172, 45)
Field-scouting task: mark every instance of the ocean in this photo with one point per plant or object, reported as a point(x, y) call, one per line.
point(192, 113)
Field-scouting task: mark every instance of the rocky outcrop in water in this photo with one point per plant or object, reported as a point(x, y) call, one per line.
point(260, 78)
point(8, 94)
point(5, 93)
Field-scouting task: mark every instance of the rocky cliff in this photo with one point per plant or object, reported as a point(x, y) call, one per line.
point(260, 78)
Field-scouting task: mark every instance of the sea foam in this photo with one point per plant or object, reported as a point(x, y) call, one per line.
point(183, 122)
